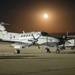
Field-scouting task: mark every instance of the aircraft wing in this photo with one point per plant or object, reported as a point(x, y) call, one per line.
point(20, 45)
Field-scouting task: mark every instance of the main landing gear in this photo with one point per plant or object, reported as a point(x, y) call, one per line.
point(58, 50)
point(17, 51)
point(47, 50)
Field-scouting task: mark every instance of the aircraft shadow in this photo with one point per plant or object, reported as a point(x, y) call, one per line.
point(18, 57)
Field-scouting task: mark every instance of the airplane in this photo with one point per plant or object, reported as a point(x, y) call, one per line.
point(70, 43)
point(22, 40)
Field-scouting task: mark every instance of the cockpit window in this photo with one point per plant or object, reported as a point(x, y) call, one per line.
point(44, 34)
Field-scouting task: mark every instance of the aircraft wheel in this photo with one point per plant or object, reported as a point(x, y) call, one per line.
point(57, 51)
point(72, 48)
point(47, 50)
point(17, 51)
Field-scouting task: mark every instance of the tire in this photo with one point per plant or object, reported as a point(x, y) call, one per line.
point(47, 50)
point(17, 52)
point(72, 48)
point(58, 51)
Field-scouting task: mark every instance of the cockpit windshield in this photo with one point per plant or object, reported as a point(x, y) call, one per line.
point(44, 34)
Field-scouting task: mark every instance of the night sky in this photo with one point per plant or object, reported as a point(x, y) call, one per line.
point(27, 15)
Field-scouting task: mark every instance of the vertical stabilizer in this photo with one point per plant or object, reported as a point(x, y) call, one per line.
point(3, 31)
point(2, 28)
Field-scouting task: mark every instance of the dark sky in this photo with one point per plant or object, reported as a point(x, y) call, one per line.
point(27, 15)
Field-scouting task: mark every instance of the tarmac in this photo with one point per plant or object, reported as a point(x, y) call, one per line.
point(34, 61)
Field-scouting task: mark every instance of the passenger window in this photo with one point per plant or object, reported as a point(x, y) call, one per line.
point(13, 36)
point(50, 39)
point(24, 35)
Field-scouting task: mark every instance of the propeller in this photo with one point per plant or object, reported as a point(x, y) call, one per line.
point(34, 41)
point(65, 38)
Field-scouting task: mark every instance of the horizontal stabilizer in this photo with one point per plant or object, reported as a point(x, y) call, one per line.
point(2, 23)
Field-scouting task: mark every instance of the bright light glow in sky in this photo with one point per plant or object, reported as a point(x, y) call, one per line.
point(45, 15)
point(52, 16)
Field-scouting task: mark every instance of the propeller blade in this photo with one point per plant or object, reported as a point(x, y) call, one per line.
point(33, 36)
point(35, 39)
point(38, 36)
point(65, 37)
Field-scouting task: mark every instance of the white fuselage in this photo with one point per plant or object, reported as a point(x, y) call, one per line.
point(70, 42)
point(26, 37)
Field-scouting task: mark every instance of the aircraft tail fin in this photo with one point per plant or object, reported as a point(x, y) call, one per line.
point(2, 28)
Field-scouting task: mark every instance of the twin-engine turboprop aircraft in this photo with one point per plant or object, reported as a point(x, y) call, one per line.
point(23, 40)
point(27, 39)
point(70, 43)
